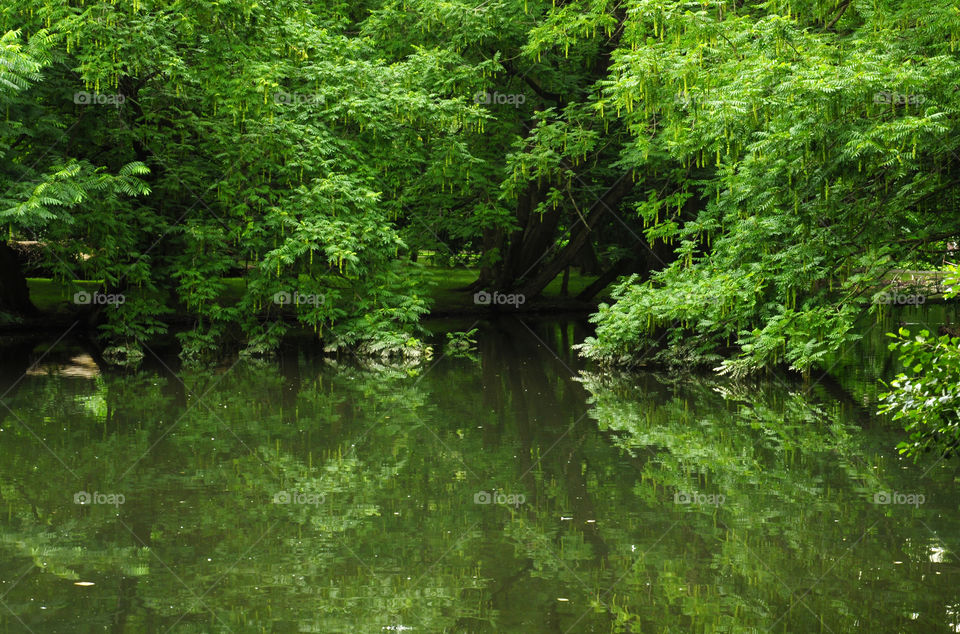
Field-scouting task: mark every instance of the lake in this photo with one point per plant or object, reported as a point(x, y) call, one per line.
point(510, 489)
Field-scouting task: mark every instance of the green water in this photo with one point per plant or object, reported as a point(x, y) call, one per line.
point(303, 495)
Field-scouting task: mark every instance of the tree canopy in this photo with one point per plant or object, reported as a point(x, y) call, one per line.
point(751, 172)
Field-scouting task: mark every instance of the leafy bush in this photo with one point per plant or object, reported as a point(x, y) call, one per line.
point(927, 395)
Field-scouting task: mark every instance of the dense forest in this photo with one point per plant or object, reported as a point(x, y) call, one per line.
point(739, 182)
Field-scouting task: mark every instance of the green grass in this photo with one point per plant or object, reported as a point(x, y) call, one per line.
point(53, 297)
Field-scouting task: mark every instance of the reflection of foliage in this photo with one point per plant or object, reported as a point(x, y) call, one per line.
point(237, 440)
point(123, 355)
point(797, 490)
point(393, 368)
point(462, 341)
point(398, 539)
point(462, 344)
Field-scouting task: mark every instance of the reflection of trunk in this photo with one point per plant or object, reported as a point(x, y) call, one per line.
point(522, 405)
point(14, 294)
point(125, 595)
point(559, 405)
point(289, 363)
point(493, 391)
point(17, 358)
point(127, 592)
point(583, 508)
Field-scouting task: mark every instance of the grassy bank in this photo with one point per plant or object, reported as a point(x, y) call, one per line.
point(443, 285)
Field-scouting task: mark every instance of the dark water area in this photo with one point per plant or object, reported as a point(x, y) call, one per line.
point(511, 489)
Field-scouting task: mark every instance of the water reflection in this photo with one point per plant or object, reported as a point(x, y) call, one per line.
point(515, 492)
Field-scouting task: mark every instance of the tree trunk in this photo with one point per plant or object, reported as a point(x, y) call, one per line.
point(587, 260)
point(607, 202)
point(14, 293)
point(527, 246)
point(621, 267)
point(524, 251)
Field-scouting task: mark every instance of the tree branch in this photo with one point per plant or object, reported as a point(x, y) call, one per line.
point(843, 9)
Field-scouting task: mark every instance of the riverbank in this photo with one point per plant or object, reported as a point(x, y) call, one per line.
point(58, 307)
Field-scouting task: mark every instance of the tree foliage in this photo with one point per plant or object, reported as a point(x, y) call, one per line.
point(752, 172)
point(175, 144)
point(822, 141)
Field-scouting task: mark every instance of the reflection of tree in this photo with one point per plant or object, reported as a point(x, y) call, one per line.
point(383, 449)
point(398, 455)
point(216, 466)
point(798, 537)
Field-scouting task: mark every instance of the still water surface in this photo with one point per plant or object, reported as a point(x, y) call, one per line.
point(512, 490)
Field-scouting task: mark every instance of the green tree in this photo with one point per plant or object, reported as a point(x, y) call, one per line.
point(819, 142)
point(266, 130)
